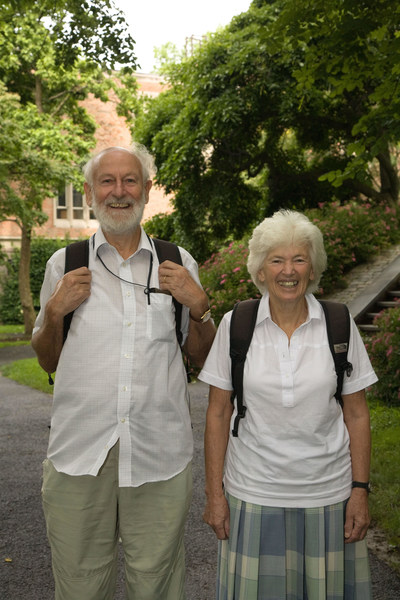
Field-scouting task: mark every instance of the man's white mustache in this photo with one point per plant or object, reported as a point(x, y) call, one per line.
point(127, 201)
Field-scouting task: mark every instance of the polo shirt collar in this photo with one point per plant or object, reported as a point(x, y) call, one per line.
point(315, 310)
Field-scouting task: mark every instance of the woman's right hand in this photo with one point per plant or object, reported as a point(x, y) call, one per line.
point(216, 514)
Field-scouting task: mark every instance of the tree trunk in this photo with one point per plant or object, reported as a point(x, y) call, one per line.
point(24, 283)
point(38, 93)
point(389, 177)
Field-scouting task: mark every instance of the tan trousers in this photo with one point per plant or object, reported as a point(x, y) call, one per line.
point(86, 515)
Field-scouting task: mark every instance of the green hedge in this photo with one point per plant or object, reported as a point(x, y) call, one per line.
point(10, 305)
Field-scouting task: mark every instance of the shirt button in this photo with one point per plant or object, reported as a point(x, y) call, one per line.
point(129, 324)
point(122, 420)
point(124, 388)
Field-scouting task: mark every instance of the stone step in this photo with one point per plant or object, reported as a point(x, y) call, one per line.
point(368, 327)
point(387, 303)
point(372, 316)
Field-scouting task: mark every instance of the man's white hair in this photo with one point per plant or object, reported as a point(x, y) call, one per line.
point(137, 150)
point(286, 228)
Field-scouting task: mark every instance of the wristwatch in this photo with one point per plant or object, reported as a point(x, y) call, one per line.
point(361, 484)
point(206, 316)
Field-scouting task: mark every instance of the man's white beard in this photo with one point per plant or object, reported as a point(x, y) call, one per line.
point(125, 223)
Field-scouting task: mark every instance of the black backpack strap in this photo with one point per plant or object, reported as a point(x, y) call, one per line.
point(170, 251)
point(76, 255)
point(243, 321)
point(337, 318)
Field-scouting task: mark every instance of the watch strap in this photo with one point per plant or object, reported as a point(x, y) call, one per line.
point(361, 484)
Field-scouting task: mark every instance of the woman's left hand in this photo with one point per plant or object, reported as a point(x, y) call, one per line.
point(356, 417)
point(357, 516)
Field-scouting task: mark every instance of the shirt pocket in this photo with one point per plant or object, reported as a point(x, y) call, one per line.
point(161, 318)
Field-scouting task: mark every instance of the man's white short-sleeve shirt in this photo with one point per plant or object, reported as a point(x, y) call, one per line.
point(120, 375)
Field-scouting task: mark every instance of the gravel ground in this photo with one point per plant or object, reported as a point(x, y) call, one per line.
point(25, 572)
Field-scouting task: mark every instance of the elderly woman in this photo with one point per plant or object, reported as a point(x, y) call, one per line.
point(288, 497)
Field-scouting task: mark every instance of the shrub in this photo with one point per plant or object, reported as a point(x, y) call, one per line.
point(226, 280)
point(41, 250)
point(352, 234)
point(161, 226)
point(384, 352)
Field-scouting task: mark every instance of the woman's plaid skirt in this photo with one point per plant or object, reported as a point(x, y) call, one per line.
point(290, 554)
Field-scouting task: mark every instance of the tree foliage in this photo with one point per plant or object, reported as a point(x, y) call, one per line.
point(350, 53)
point(286, 107)
point(53, 53)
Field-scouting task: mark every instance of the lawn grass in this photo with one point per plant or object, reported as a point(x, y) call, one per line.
point(6, 329)
point(385, 461)
point(19, 343)
point(28, 372)
point(9, 332)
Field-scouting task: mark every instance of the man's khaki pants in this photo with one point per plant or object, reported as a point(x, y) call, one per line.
point(86, 515)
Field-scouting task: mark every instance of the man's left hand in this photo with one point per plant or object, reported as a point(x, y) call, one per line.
point(177, 280)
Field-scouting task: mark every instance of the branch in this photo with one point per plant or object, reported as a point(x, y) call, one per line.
point(388, 173)
point(364, 189)
point(66, 94)
point(12, 221)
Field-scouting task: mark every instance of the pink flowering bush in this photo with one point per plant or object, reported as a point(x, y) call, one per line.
point(226, 280)
point(353, 233)
point(384, 351)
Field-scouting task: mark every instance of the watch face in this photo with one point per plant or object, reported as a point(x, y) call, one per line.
point(206, 317)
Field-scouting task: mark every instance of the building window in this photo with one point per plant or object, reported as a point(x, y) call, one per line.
point(71, 208)
point(61, 210)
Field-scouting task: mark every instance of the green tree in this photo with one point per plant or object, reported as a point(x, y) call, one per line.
point(241, 131)
point(53, 53)
point(350, 55)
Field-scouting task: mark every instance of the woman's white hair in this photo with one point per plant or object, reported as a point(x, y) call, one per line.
point(286, 228)
point(137, 150)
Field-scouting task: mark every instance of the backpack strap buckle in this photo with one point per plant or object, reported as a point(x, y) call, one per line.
point(240, 415)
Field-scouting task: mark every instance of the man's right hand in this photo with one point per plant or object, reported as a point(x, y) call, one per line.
point(72, 289)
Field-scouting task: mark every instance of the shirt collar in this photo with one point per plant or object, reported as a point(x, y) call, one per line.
point(98, 240)
point(314, 308)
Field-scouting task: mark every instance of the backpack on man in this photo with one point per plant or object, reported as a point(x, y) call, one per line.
point(77, 255)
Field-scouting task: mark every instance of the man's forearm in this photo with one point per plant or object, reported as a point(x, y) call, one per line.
point(48, 341)
point(199, 341)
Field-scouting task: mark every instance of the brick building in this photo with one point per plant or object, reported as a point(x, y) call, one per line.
point(68, 212)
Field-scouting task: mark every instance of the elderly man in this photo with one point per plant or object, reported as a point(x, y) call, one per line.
point(120, 448)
